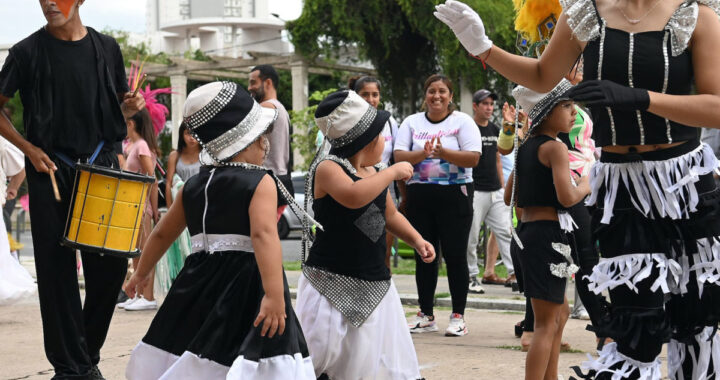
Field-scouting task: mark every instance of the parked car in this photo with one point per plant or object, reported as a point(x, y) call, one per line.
point(288, 220)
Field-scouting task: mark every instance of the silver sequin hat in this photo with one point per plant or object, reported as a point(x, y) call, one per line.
point(225, 119)
point(538, 105)
point(349, 122)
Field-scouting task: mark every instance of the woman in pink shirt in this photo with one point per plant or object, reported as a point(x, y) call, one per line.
point(141, 153)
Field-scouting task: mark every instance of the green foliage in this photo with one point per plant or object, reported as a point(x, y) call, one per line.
point(15, 108)
point(403, 41)
point(305, 130)
point(131, 52)
point(197, 55)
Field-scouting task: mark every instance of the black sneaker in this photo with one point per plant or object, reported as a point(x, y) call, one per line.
point(95, 374)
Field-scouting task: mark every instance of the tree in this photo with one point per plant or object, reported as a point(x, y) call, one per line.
point(403, 40)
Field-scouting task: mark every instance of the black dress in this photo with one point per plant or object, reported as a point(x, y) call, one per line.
point(204, 329)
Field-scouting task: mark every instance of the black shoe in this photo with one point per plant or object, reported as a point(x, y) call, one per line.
point(122, 297)
point(95, 374)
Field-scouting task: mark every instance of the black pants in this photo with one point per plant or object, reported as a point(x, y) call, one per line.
point(586, 256)
point(442, 214)
point(7, 213)
point(73, 332)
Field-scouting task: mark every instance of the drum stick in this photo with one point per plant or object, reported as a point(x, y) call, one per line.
point(54, 185)
point(142, 82)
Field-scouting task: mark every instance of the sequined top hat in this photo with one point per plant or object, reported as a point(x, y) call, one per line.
point(225, 119)
point(538, 105)
point(349, 122)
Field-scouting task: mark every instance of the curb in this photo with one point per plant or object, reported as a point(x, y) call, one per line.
point(472, 302)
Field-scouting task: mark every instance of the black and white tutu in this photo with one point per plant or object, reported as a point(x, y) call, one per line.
point(204, 329)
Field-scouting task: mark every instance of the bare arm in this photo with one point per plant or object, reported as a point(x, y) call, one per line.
point(413, 157)
point(148, 167)
point(697, 110)
point(555, 155)
point(268, 253)
point(39, 159)
point(14, 184)
point(509, 188)
point(544, 73)
point(498, 163)
point(331, 179)
point(461, 158)
point(161, 237)
point(169, 174)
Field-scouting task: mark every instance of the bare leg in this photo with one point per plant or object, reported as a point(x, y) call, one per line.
point(551, 373)
point(491, 255)
point(547, 327)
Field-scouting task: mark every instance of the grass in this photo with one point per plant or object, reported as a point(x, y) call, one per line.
point(405, 266)
point(513, 348)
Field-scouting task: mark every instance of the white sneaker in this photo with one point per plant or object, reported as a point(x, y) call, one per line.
point(142, 304)
point(422, 323)
point(127, 302)
point(580, 313)
point(457, 326)
point(475, 286)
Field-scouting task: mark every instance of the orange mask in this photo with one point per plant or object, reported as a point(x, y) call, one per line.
point(65, 6)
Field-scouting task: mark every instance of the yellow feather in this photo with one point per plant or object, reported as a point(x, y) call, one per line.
point(530, 13)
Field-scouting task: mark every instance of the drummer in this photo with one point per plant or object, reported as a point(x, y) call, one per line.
point(74, 91)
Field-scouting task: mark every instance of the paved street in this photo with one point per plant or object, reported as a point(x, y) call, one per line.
point(490, 351)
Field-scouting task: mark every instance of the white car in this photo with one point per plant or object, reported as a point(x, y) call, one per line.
point(288, 221)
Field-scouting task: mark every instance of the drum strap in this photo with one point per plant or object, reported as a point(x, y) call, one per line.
point(64, 157)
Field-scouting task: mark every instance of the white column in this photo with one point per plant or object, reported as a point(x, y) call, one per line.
point(465, 98)
point(178, 83)
point(299, 71)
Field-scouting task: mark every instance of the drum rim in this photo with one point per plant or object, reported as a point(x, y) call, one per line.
point(90, 248)
point(115, 173)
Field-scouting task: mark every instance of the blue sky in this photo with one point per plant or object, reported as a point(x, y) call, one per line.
point(22, 17)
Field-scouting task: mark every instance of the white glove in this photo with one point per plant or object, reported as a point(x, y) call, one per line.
point(466, 24)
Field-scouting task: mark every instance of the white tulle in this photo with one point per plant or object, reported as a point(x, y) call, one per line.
point(15, 281)
point(151, 363)
point(379, 349)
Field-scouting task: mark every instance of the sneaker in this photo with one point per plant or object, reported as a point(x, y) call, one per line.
point(422, 323)
point(580, 313)
point(142, 304)
point(457, 326)
point(127, 302)
point(95, 374)
point(475, 286)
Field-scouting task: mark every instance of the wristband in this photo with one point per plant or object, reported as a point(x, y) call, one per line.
point(505, 141)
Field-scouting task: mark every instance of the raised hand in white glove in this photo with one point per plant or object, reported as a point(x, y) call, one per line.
point(466, 24)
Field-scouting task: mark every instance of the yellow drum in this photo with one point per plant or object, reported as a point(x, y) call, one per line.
point(106, 210)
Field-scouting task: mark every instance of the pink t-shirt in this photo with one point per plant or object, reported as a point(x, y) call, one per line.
point(133, 151)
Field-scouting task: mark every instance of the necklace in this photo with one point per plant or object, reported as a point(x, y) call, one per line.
point(634, 21)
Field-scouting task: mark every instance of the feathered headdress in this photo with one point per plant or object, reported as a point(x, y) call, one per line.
point(158, 111)
point(535, 21)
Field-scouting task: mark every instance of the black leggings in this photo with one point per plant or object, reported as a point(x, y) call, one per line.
point(442, 214)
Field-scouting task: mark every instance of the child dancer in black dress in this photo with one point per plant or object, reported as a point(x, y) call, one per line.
point(347, 303)
point(542, 186)
point(228, 314)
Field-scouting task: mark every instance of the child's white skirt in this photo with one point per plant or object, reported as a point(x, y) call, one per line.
point(381, 348)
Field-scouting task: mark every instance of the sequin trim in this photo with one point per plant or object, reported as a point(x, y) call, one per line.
point(541, 109)
point(220, 243)
point(358, 129)
point(235, 133)
point(355, 298)
point(210, 110)
point(631, 53)
point(666, 77)
point(613, 132)
point(582, 19)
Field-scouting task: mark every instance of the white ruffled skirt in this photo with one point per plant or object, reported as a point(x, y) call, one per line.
point(381, 348)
